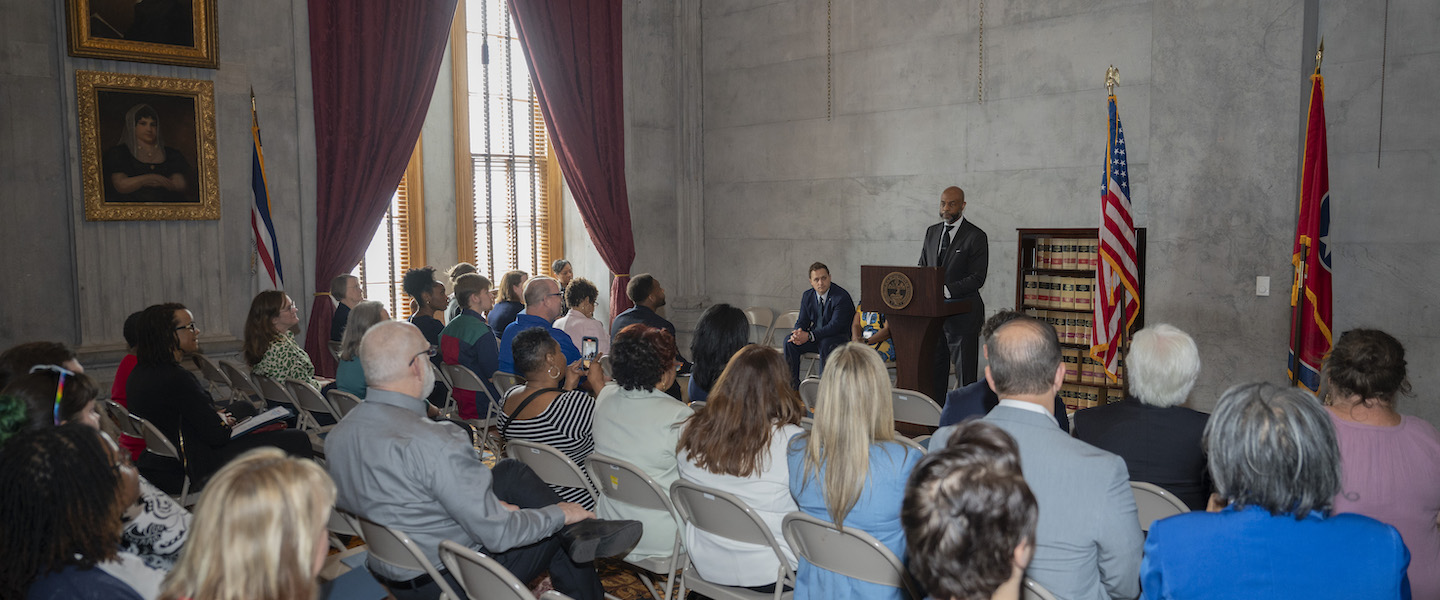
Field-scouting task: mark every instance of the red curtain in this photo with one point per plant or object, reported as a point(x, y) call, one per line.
point(573, 48)
point(373, 66)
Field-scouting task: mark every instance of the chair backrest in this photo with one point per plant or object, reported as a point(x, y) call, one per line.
point(239, 380)
point(915, 407)
point(309, 401)
point(605, 365)
point(551, 465)
point(846, 551)
point(155, 440)
point(624, 482)
point(334, 348)
point(780, 328)
point(273, 390)
point(480, 575)
point(462, 378)
point(722, 514)
point(910, 442)
point(344, 402)
point(810, 392)
point(764, 318)
point(212, 372)
point(504, 381)
point(1153, 503)
point(396, 549)
point(120, 416)
point(1032, 590)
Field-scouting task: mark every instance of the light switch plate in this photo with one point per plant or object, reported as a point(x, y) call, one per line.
point(1262, 286)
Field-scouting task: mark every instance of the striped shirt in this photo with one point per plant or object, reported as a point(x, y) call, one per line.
point(564, 425)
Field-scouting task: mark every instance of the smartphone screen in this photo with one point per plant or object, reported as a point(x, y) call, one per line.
point(588, 347)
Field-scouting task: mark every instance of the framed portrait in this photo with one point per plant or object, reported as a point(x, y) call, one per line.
point(171, 32)
point(147, 147)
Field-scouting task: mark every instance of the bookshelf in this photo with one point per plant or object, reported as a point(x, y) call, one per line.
point(1055, 281)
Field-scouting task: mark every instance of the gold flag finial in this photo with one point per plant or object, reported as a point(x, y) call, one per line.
point(1112, 79)
point(1319, 55)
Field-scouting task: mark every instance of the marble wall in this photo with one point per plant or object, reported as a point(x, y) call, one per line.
point(1211, 95)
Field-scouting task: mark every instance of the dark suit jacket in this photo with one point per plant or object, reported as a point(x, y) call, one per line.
point(839, 314)
point(641, 314)
point(976, 400)
point(1159, 445)
point(966, 261)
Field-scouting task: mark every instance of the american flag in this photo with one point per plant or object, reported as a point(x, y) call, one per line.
point(262, 226)
point(1118, 273)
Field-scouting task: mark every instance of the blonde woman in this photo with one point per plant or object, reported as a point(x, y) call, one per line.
point(259, 532)
point(849, 469)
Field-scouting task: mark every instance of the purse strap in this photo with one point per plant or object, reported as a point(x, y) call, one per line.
point(524, 403)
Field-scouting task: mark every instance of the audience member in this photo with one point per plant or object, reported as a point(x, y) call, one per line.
point(580, 321)
point(1159, 439)
point(350, 373)
point(453, 307)
point(721, 332)
point(436, 488)
point(870, 328)
point(826, 313)
point(429, 296)
point(170, 397)
point(648, 296)
point(346, 291)
point(512, 301)
point(737, 443)
point(970, 518)
point(1276, 467)
point(552, 407)
point(134, 445)
point(1390, 463)
point(18, 359)
point(469, 342)
point(1088, 539)
point(849, 469)
point(261, 532)
point(542, 307)
point(977, 399)
point(62, 491)
point(563, 272)
point(155, 525)
point(637, 422)
point(270, 347)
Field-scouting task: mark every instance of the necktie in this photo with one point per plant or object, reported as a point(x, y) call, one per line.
point(944, 242)
point(822, 311)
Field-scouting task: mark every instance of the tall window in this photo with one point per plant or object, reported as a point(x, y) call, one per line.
point(512, 218)
point(398, 245)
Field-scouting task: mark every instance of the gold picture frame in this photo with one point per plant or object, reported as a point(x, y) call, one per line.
point(168, 32)
point(147, 147)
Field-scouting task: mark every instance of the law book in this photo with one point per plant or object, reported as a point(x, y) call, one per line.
point(1042, 253)
point(1092, 254)
point(1071, 357)
point(274, 415)
point(1084, 294)
point(1067, 293)
point(1069, 397)
point(1114, 395)
point(1032, 289)
point(1042, 291)
point(1072, 254)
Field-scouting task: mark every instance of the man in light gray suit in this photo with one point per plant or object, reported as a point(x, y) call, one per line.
point(1088, 541)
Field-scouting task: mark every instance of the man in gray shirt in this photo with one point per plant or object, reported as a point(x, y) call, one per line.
point(394, 466)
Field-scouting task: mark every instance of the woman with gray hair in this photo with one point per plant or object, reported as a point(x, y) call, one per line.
point(350, 374)
point(1276, 468)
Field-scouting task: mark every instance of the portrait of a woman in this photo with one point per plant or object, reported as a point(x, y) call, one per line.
point(141, 168)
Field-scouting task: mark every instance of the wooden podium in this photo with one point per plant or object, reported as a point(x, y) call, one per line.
point(913, 302)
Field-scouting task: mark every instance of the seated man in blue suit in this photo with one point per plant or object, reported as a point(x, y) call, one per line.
point(826, 312)
point(976, 399)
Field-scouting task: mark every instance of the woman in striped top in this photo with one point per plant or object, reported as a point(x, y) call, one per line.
point(552, 408)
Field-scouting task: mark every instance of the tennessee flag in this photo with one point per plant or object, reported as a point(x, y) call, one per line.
point(1115, 309)
point(1310, 290)
point(261, 224)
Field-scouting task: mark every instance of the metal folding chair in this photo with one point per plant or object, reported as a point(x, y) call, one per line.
point(1153, 503)
point(847, 551)
point(344, 402)
point(484, 579)
point(764, 318)
point(620, 481)
point(395, 548)
point(722, 514)
point(552, 465)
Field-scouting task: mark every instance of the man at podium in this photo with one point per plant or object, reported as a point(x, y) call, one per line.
point(963, 251)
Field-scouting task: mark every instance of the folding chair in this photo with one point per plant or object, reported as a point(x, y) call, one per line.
point(395, 548)
point(620, 481)
point(847, 551)
point(504, 381)
point(484, 579)
point(334, 349)
point(764, 318)
point(156, 443)
point(551, 465)
point(311, 403)
point(1032, 590)
point(240, 381)
point(780, 328)
point(341, 523)
point(214, 376)
point(462, 378)
point(344, 402)
point(911, 442)
point(1153, 503)
point(722, 514)
point(605, 364)
point(273, 391)
point(915, 408)
point(810, 392)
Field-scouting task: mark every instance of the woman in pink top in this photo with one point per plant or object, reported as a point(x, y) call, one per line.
point(1390, 463)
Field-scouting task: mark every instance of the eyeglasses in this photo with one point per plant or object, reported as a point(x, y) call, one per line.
point(59, 387)
point(193, 327)
point(428, 351)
